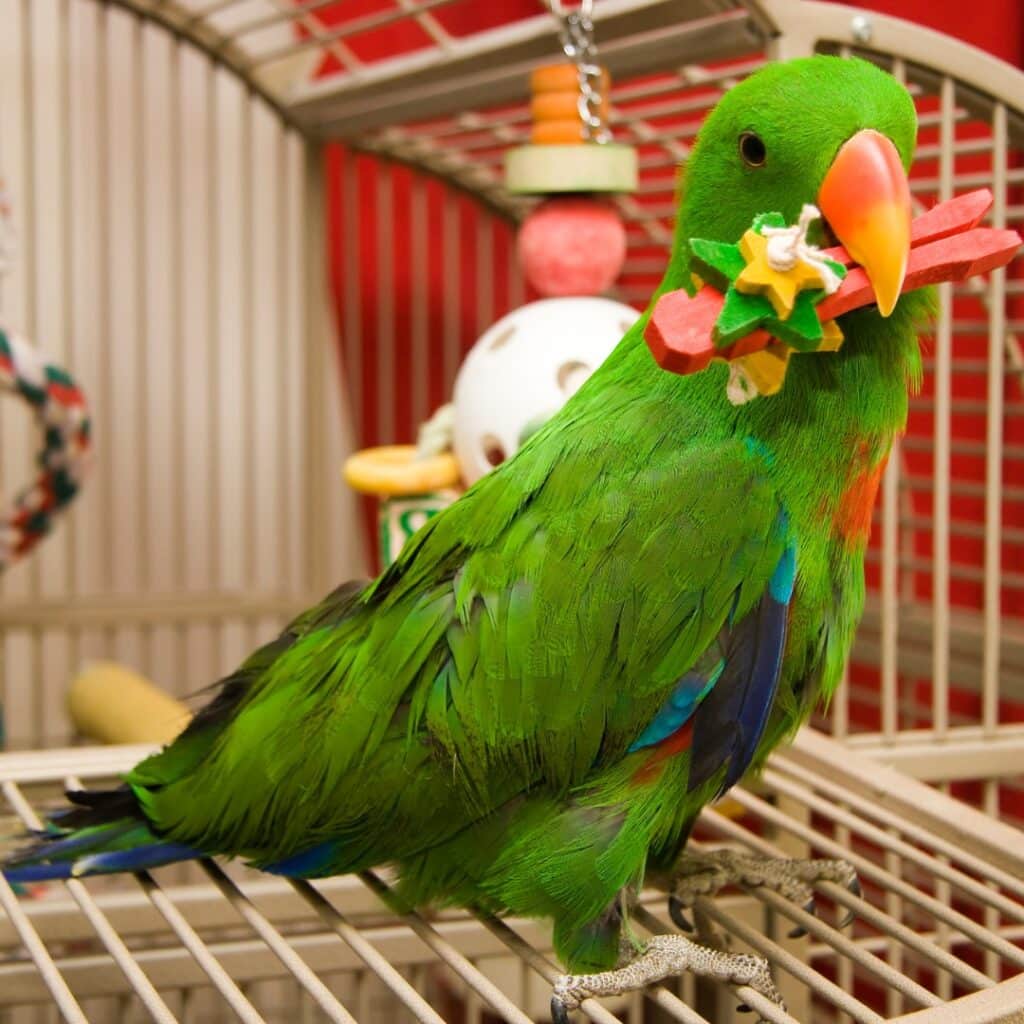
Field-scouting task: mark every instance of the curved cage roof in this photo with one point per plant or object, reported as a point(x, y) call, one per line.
point(340, 67)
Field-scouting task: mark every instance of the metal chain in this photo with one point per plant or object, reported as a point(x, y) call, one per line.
point(577, 37)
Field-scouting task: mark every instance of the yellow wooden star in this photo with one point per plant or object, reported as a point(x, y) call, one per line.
point(779, 286)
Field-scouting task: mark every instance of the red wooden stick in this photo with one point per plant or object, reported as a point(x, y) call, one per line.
point(946, 245)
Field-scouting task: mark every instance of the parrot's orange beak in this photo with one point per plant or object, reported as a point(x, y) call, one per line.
point(865, 198)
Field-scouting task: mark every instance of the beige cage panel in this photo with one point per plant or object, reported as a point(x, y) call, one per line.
point(168, 256)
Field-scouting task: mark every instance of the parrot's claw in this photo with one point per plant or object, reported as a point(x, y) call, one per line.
point(704, 874)
point(559, 1009)
point(676, 910)
point(854, 886)
point(664, 956)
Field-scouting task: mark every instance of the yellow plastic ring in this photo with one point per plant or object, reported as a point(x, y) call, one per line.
point(394, 471)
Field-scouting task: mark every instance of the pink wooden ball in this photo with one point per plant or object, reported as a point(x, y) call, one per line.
point(572, 246)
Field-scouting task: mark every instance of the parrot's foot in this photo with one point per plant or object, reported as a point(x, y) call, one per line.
point(704, 874)
point(664, 956)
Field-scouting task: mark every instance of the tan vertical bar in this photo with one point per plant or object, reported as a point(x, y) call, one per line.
point(890, 566)
point(894, 1004)
point(142, 303)
point(943, 409)
point(385, 353)
point(420, 324)
point(212, 334)
point(284, 345)
point(890, 606)
point(994, 439)
point(218, 241)
point(317, 338)
point(67, 238)
point(993, 489)
point(179, 512)
point(105, 376)
point(249, 438)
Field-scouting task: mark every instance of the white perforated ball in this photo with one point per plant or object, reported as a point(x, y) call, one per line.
point(522, 371)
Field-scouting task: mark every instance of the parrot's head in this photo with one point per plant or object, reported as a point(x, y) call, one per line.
point(835, 132)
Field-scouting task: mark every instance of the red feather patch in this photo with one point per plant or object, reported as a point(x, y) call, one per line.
point(852, 519)
point(671, 745)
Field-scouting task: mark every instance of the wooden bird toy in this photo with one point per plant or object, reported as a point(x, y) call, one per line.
point(745, 312)
point(564, 155)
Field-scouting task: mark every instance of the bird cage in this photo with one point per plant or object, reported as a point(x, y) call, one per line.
point(260, 241)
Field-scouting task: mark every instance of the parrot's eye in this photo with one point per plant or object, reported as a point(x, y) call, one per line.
point(752, 149)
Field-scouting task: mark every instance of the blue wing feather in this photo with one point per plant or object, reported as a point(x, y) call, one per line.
point(730, 721)
point(676, 711)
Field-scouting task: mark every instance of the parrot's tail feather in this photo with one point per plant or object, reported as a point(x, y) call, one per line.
point(139, 859)
point(28, 874)
point(104, 833)
point(126, 845)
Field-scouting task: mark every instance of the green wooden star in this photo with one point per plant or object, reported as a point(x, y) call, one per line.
point(720, 263)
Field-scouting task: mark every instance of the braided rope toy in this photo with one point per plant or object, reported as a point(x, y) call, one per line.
point(63, 417)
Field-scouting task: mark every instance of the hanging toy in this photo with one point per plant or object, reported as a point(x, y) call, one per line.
point(572, 246)
point(573, 243)
point(571, 149)
point(524, 369)
point(60, 410)
point(772, 294)
point(527, 365)
point(513, 380)
point(412, 487)
point(63, 419)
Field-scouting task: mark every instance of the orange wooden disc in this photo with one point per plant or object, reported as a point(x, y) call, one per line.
point(562, 78)
point(560, 106)
point(555, 133)
point(554, 78)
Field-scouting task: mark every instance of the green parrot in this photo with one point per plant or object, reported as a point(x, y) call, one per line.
point(528, 710)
